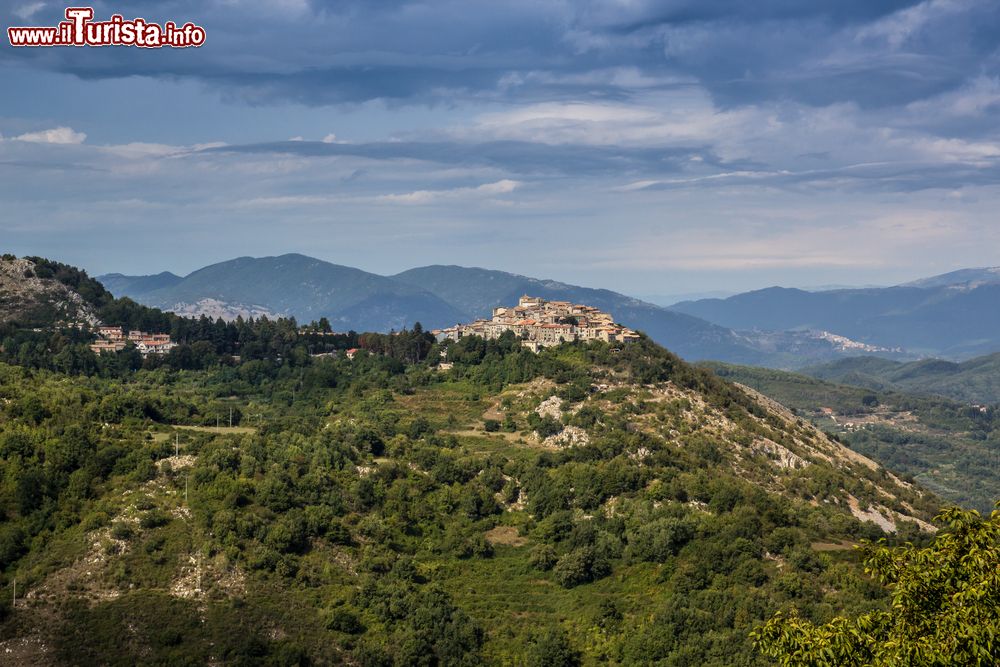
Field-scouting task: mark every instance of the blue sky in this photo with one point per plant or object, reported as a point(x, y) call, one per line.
point(648, 147)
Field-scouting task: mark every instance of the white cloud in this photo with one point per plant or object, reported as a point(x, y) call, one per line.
point(873, 242)
point(57, 135)
point(140, 150)
point(25, 12)
point(293, 200)
point(978, 97)
point(897, 28)
point(978, 153)
point(501, 187)
point(675, 118)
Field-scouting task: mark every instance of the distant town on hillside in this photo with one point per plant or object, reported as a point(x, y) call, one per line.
point(539, 323)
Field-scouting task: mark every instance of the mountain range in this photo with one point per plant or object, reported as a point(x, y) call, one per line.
point(954, 315)
point(290, 285)
point(438, 296)
point(963, 278)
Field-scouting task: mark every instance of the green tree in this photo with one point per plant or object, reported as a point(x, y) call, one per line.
point(945, 606)
point(552, 648)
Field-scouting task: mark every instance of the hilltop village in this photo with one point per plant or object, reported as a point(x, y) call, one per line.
point(537, 323)
point(540, 323)
point(114, 339)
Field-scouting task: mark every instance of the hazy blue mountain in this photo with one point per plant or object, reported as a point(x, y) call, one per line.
point(477, 291)
point(135, 286)
point(976, 380)
point(305, 288)
point(667, 300)
point(967, 278)
point(931, 321)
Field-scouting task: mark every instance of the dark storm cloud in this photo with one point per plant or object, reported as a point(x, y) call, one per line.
point(875, 54)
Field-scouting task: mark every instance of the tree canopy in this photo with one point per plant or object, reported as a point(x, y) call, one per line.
point(945, 606)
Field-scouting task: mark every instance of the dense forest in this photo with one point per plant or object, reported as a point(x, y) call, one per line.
point(294, 509)
point(203, 343)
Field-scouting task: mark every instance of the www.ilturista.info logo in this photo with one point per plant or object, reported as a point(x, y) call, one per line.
point(79, 29)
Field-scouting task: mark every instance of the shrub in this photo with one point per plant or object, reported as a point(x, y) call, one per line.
point(346, 621)
point(12, 544)
point(543, 557)
point(552, 649)
point(658, 540)
point(580, 566)
point(122, 531)
point(154, 519)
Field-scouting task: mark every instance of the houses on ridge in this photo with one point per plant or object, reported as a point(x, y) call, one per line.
point(539, 323)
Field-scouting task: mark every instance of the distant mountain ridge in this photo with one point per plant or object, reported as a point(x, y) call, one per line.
point(967, 278)
point(439, 296)
point(945, 318)
point(777, 327)
point(435, 296)
point(294, 285)
point(477, 291)
point(133, 286)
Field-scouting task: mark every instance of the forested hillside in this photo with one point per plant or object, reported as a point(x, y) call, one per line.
point(975, 380)
point(584, 505)
point(946, 445)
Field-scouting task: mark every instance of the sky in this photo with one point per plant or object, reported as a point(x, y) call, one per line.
point(654, 148)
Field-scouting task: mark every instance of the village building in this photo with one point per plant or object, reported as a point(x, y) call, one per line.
point(108, 346)
point(114, 339)
point(539, 323)
point(111, 333)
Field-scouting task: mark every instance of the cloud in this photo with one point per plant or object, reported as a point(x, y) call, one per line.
point(511, 205)
point(25, 12)
point(440, 51)
point(906, 24)
point(531, 119)
point(57, 135)
point(516, 157)
point(888, 238)
point(489, 190)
